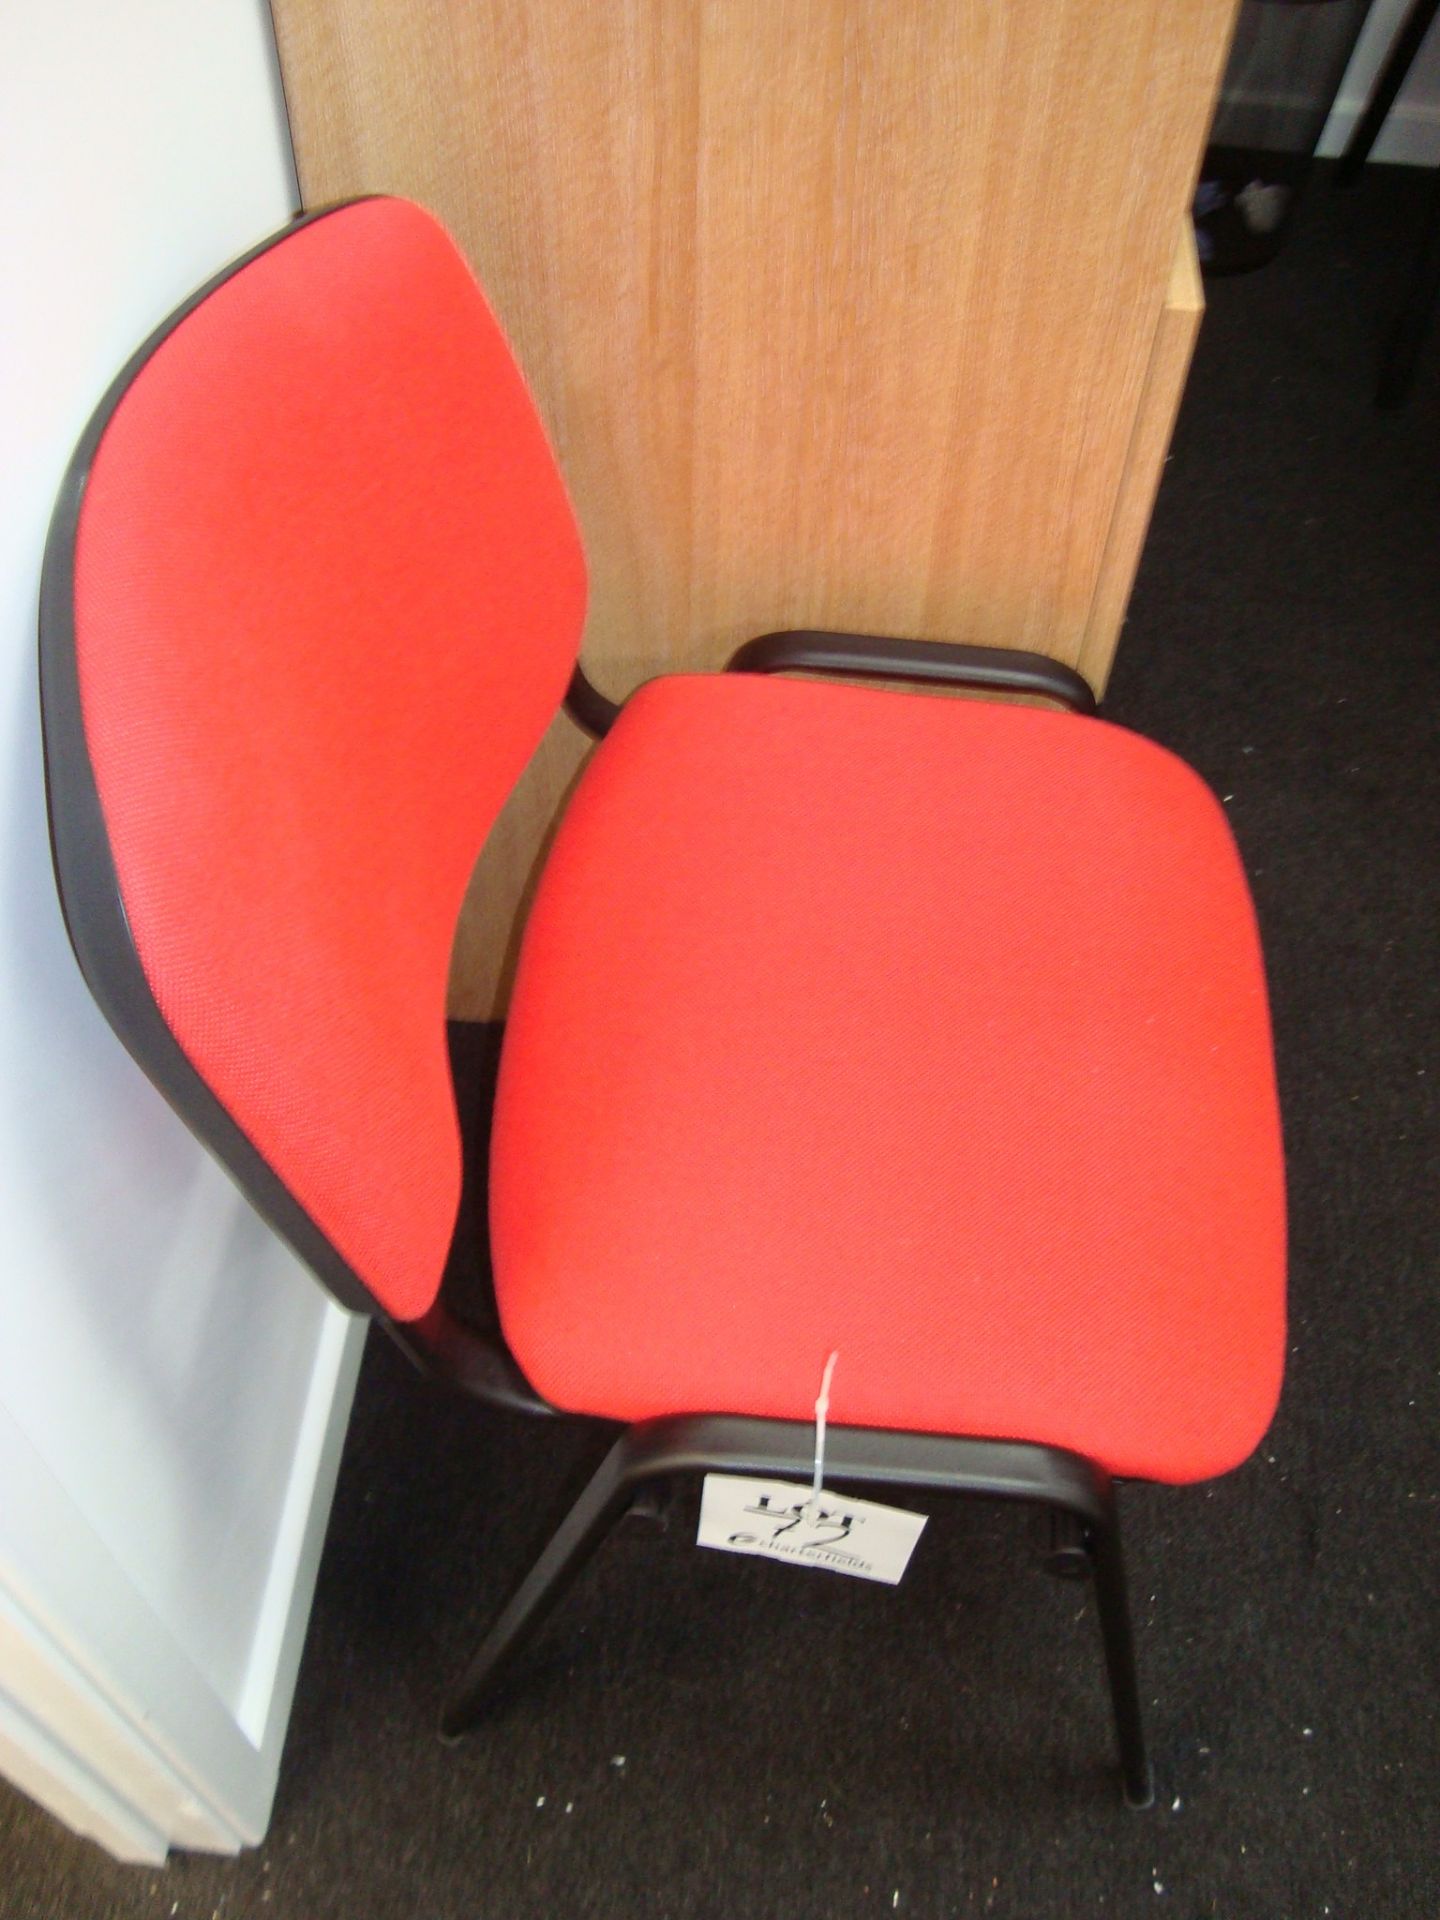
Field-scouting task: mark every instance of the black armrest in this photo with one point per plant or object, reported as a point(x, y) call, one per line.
point(940, 662)
point(588, 707)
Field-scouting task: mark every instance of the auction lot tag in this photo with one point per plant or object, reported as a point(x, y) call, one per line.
point(784, 1522)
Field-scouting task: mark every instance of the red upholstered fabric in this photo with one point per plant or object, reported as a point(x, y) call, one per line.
point(328, 594)
point(930, 1031)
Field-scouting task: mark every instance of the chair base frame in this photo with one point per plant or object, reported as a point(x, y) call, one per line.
point(918, 1462)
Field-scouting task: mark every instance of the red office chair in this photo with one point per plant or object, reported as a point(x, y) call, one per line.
point(930, 1031)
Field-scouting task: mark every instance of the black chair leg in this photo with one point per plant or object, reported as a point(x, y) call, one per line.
point(665, 1449)
point(605, 1498)
point(1113, 1604)
point(1417, 311)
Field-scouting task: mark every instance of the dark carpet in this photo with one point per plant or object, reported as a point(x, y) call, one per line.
point(701, 1735)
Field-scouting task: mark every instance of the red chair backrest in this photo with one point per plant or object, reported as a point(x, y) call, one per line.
point(327, 593)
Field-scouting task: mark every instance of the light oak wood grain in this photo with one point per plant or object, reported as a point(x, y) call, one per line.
point(841, 312)
point(1170, 354)
point(487, 940)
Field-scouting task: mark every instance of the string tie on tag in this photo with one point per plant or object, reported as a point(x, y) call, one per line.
point(822, 1411)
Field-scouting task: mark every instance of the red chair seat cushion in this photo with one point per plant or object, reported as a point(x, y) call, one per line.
point(929, 1031)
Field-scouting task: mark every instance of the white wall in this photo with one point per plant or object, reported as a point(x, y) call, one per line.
point(167, 1372)
point(1412, 131)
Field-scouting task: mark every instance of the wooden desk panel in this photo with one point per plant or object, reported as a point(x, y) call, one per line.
point(841, 312)
point(1174, 342)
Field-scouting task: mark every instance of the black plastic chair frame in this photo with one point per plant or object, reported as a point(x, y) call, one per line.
point(866, 656)
point(658, 1450)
